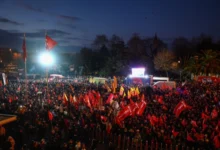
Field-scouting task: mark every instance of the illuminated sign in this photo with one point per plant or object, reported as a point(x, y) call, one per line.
point(138, 72)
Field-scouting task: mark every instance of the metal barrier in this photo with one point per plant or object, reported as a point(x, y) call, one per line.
point(122, 142)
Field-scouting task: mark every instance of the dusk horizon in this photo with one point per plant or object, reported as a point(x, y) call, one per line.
point(74, 25)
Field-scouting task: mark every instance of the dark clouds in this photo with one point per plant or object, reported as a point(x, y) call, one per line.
point(39, 10)
point(41, 33)
point(70, 18)
point(13, 39)
point(31, 8)
point(67, 25)
point(8, 21)
point(79, 39)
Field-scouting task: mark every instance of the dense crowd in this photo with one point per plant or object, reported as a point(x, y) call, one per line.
point(63, 115)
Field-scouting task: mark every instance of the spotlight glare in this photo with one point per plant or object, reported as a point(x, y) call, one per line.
point(46, 59)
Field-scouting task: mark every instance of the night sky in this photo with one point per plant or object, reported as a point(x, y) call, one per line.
point(75, 23)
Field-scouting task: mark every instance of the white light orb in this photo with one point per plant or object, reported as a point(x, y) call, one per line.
point(46, 59)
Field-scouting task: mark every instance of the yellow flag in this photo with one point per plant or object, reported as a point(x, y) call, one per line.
point(115, 82)
point(132, 91)
point(107, 87)
point(137, 92)
point(121, 91)
point(65, 97)
point(124, 94)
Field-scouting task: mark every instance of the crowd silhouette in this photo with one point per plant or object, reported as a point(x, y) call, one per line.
point(64, 115)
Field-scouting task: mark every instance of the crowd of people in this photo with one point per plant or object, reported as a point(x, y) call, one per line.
point(63, 115)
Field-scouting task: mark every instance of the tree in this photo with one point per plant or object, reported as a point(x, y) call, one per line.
point(100, 41)
point(87, 56)
point(117, 45)
point(192, 65)
point(210, 62)
point(152, 46)
point(202, 42)
point(182, 47)
point(136, 49)
point(164, 61)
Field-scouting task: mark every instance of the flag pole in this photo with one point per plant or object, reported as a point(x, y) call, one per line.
point(25, 68)
point(46, 67)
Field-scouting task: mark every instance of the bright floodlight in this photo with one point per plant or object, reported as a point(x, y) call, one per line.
point(138, 72)
point(46, 59)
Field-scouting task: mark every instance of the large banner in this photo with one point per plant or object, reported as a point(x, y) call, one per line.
point(207, 79)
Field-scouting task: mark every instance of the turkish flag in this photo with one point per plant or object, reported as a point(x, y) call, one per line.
point(142, 105)
point(50, 115)
point(194, 124)
point(87, 101)
point(189, 138)
point(123, 114)
point(214, 113)
point(174, 133)
point(10, 100)
point(110, 99)
point(181, 106)
point(204, 116)
point(134, 107)
point(103, 118)
point(50, 43)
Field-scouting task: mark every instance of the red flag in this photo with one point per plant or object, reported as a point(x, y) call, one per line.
point(10, 100)
point(214, 113)
point(142, 105)
point(217, 141)
point(87, 101)
point(123, 114)
point(189, 138)
point(134, 107)
point(50, 43)
point(194, 124)
point(183, 122)
point(24, 49)
point(108, 128)
point(142, 97)
point(110, 99)
point(50, 115)
point(103, 118)
point(71, 99)
point(160, 99)
point(199, 137)
point(204, 116)
point(174, 133)
point(153, 119)
point(181, 106)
